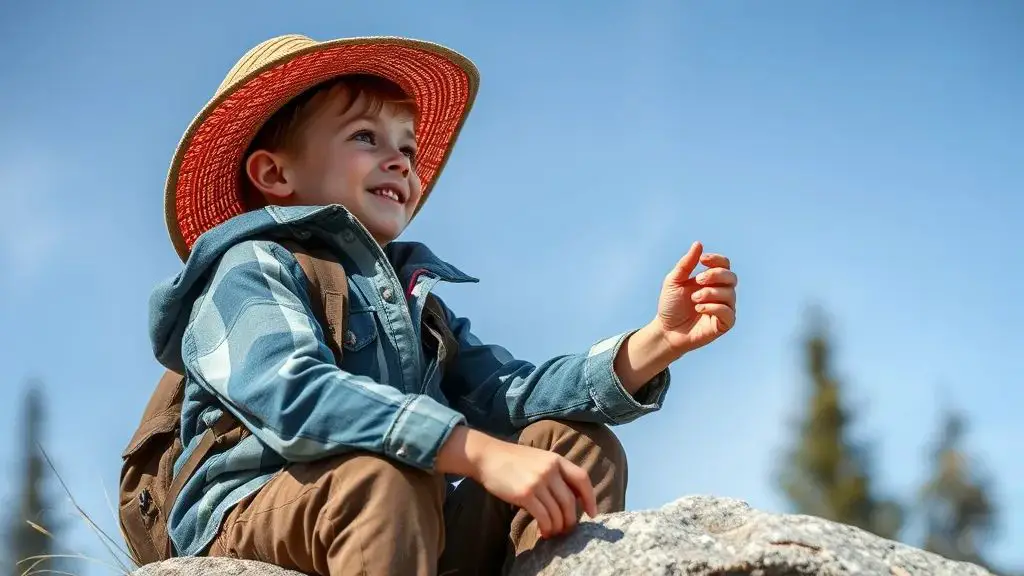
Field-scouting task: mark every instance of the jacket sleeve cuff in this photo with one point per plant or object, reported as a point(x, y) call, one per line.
point(421, 428)
point(611, 398)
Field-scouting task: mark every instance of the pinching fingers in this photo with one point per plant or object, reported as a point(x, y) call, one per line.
point(715, 295)
point(686, 265)
point(712, 260)
point(725, 315)
point(717, 277)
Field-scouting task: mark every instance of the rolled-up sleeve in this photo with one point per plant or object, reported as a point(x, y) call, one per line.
point(502, 394)
point(610, 397)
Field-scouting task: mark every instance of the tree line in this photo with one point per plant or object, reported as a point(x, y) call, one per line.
point(828, 473)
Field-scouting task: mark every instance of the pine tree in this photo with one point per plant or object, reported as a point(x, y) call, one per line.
point(827, 474)
point(959, 513)
point(33, 501)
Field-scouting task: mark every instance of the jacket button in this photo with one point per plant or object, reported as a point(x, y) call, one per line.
point(350, 338)
point(388, 294)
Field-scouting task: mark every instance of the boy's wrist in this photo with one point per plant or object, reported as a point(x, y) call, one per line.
point(658, 344)
point(461, 452)
point(645, 354)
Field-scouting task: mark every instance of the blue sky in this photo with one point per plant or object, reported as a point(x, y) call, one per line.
point(869, 161)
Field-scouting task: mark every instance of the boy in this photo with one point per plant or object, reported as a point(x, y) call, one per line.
point(344, 468)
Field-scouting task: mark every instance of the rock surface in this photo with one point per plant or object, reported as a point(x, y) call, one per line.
point(693, 536)
point(707, 536)
point(212, 567)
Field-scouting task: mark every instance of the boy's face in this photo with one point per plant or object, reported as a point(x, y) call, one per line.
point(349, 155)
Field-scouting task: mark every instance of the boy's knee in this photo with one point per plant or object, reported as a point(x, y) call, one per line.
point(592, 447)
point(562, 436)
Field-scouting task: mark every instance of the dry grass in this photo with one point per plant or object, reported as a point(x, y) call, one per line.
point(121, 562)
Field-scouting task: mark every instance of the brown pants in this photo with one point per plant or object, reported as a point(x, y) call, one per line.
point(368, 515)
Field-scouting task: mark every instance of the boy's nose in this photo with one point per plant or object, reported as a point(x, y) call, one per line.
point(397, 162)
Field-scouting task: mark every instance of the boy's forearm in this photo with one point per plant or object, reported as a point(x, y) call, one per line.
point(460, 452)
point(644, 355)
point(501, 394)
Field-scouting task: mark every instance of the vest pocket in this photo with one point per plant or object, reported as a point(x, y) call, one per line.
point(137, 517)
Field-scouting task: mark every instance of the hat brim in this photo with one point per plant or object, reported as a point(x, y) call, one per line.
point(203, 186)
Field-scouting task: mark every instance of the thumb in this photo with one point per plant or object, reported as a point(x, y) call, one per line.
point(686, 265)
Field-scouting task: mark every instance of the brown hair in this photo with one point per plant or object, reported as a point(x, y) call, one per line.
point(281, 131)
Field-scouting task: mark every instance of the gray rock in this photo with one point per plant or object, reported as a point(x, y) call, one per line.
point(212, 567)
point(708, 536)
point(693, 536)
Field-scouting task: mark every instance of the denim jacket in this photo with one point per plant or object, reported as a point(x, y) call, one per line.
point(237, 321)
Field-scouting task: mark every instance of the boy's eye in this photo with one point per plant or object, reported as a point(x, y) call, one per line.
point(370, 138)
point(365, 135)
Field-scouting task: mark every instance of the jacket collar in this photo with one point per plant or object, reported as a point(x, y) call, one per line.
point(328, 222)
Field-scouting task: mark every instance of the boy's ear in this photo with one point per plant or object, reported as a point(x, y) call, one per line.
point(266, 172)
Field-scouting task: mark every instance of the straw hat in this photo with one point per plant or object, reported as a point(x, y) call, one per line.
point(203, 188)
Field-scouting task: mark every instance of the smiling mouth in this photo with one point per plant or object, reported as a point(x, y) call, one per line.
point(389, 193)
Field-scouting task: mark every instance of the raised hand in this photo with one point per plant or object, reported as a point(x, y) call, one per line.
point(695, 310)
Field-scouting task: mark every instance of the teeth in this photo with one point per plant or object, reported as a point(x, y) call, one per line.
point(387, 193)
